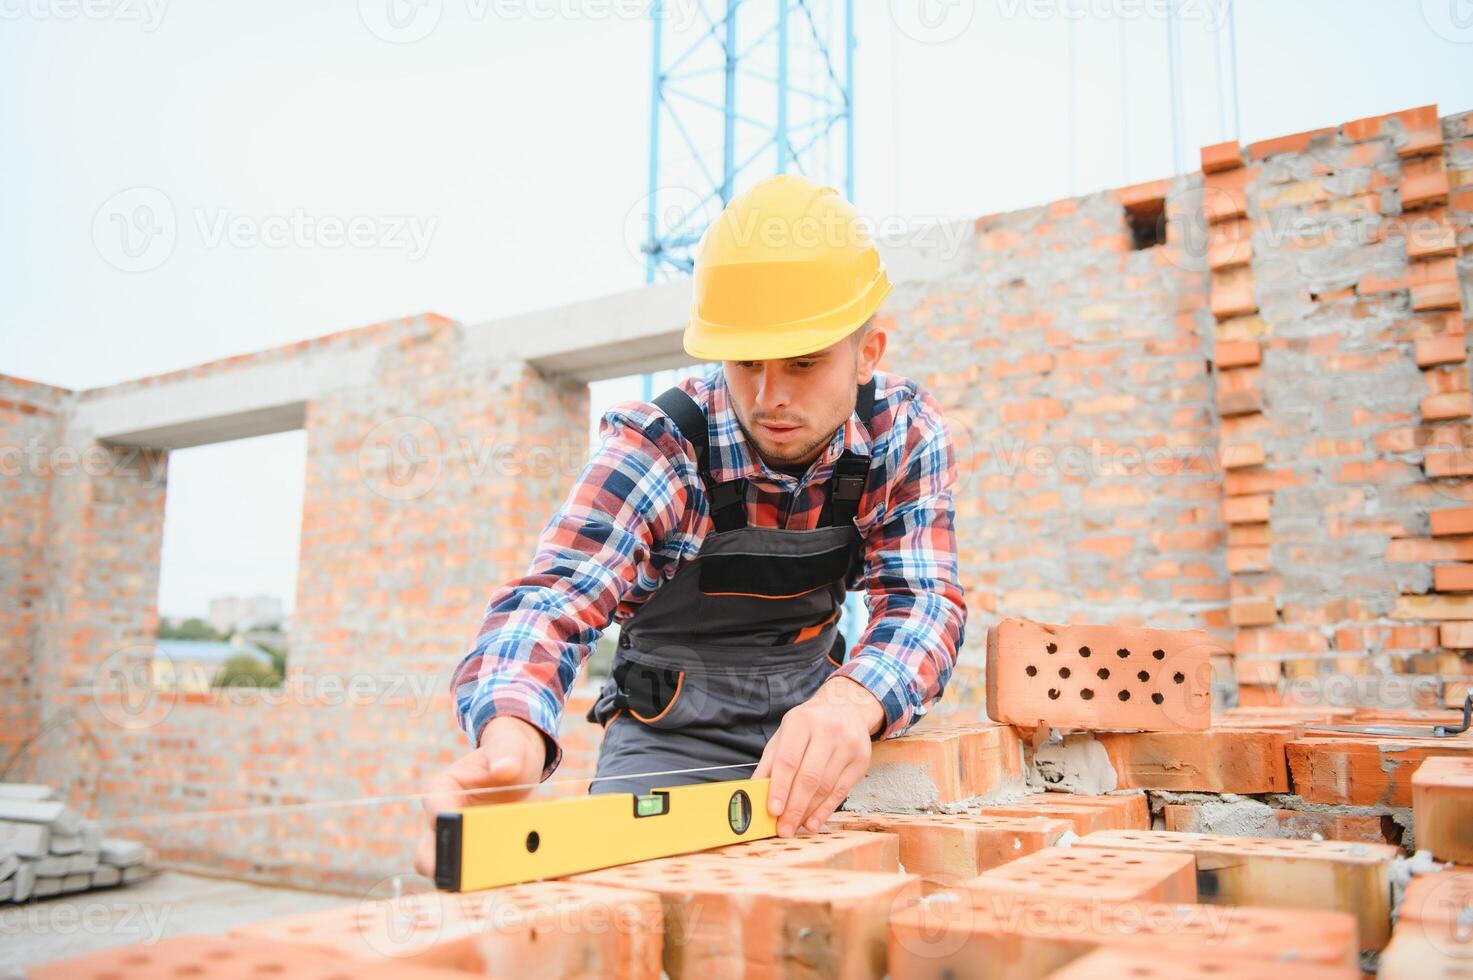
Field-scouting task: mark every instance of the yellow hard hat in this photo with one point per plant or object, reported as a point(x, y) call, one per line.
point(788, 268)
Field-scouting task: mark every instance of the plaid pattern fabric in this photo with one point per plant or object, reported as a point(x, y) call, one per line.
point(638, 511)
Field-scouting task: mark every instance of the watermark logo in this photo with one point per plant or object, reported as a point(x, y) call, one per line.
point(680, 215)
point(124, 692)
point(400, 21)
point(136, 230)
point(932, 21)
point(1451, 20)
point(400, 917)
point(148, 14)
point(401, 458)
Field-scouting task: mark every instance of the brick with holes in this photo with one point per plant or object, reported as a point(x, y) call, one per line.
point(1003, 937)
point(1442, 808)
point(1330, 875)
point(1097, 677)
point(832, 848)
point(737, 918)
point(545, 928)
point(1096, 874)
point(937, 765)
point(1149, 964)
point(228, 958)
point(944, 848)
point(1235, 760)
point(1082, 817)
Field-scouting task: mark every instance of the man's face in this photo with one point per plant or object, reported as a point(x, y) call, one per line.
point(790, 408)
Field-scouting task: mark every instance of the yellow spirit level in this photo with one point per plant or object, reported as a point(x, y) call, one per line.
point(507, 843)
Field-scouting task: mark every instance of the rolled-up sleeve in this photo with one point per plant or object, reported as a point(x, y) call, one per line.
point(912, 589)
point(610, 533)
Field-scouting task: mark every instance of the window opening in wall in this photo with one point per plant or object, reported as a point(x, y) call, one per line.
point(228, 573)
point(1147, 223)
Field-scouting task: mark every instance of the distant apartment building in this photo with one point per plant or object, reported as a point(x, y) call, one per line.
point(231, 613)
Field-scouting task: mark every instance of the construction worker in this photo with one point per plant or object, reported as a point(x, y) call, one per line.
point(720, 527)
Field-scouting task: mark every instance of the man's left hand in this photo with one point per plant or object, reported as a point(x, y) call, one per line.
point(820, 751)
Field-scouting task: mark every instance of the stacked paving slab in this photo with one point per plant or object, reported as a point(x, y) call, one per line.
point(47, 850)
point(1105, 823)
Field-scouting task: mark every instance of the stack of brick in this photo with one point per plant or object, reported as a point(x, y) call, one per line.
point(46, 849)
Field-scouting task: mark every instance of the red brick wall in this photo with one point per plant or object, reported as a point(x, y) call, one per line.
point(1231, 430)
point(30, 416)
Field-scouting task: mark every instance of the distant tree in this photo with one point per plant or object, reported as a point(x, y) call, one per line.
point(278, 657)
point(190, 629)
point(244, 670)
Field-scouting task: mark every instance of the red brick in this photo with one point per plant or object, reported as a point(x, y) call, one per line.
point(1238, 353)
point(1441, 349)
point(1421, 142)
point(992, 937)
point(1422, 190)
point(1427, 243)
point(1097, 874)
point(725, 917)
point(1190, 964)
point(1214, 761)
point(945, 847)
point(1453, 520)
point(1363, 770)
point(1452, 405)
point(1252, 508)
point(1232, 295)
point(1295, 143)
point(1238, 391)
point(1250, 610)
point(1126, 811)
point(1422, 117)
point(834, 849)
point(1230, 254)
point(943, 764)
point(1437, 897)
point(1425, 951)
point(221, 958)
point(1456, 635)
point(1324, 875)
point(1221, 156)
point(1442, 808)
point(1436, 294)
point(1453, 578)
point(1154, 679)
point(501, 928)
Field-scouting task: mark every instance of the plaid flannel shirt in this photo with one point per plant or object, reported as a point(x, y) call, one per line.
point(638, 511)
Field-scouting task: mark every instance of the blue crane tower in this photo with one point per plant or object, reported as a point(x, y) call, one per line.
point(758, 88)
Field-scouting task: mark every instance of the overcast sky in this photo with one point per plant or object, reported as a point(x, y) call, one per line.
point(492, 152)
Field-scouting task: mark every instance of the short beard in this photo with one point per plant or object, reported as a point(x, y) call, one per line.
point(781, 459)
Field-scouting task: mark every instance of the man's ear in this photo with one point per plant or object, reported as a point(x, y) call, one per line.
point(871, 350)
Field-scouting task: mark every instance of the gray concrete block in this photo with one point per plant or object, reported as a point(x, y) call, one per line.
point(7, 891)
point(83, 863)
point(26, 791)
point(46, 886)
point(65, 843)
point(91, 835)
point(8, 863)
point(76, 883)
point(106, 876)
point(134, 872)
point(51, 866)
point(25, 881)
point(51, 812)
point(121, 853)
point(29, 840)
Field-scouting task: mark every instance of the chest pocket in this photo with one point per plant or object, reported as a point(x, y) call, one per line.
point(774, 576)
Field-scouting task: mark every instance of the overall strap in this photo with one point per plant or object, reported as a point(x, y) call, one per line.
point(851, 470)
point(728, 499)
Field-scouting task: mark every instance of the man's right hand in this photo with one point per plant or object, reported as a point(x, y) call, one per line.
point(512, 753)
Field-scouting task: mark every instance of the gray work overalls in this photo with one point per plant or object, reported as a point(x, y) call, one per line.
point(708, 665)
